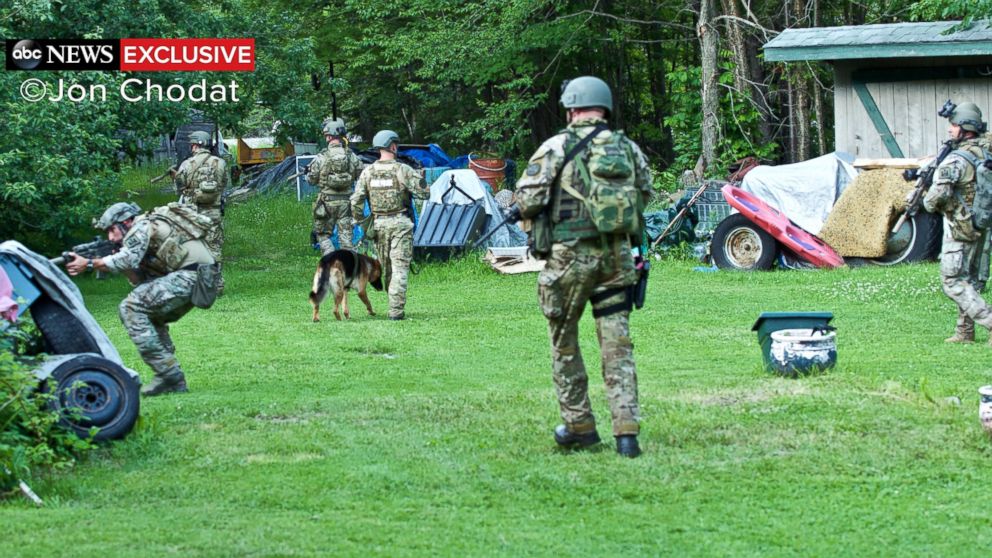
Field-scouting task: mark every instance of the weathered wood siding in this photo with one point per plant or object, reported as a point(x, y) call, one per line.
point(909, 107)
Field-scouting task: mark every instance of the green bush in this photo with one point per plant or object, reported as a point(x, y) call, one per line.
point(30, 437)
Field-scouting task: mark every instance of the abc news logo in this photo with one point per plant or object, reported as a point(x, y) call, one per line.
point(57, 54)
point(132, 55)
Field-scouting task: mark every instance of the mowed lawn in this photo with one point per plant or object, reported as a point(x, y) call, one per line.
point(432, 436)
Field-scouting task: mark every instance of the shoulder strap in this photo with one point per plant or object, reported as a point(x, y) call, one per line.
point(966, 155)
point(579, 147)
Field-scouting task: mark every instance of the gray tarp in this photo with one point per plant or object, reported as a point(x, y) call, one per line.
point(805, 192)
point(463, 187)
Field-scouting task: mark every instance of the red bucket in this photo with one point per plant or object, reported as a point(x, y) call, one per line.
point(490, 168)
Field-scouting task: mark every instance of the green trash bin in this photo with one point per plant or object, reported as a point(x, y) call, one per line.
point(769, 322)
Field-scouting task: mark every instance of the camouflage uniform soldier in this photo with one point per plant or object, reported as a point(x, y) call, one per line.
point(585, 265)
point(388, 186)
point(963, 262)
point(161, 253)
point(201, 181)
point(334, 171)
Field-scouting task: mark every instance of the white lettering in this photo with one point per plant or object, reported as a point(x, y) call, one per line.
point(124, 92)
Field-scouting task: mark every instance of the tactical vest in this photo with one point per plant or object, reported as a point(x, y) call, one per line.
point(179, 243)
point(386, 194)
point(335, 171)
point(600, 178)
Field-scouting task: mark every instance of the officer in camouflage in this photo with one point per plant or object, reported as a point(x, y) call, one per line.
point(585, 265)
point(161, 254)
point(388, 186)
point(201, 182)
point(963, 262)
point(334, 171)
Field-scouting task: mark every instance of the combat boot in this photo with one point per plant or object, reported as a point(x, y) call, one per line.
point(627, 446)
point(959, 337)
point(165, 384)
point(964, 330)
point(568, 439)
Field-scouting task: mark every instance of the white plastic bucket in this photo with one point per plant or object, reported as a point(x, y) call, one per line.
point(801, 351)
point(985, 407)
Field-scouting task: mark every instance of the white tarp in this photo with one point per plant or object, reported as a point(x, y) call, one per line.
point(464, 187)
point(804, 191)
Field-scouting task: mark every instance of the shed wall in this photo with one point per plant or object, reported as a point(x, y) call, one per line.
point(909, 107)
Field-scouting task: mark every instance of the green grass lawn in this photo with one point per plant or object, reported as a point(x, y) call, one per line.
point(433, 435)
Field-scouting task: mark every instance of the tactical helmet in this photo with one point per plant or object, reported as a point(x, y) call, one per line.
point(334, 127)
point(586, 91)
point(200, 137)
point(384, 138)
point(969, 117)
point(117, 213)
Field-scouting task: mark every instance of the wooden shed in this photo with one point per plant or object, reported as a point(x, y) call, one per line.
point(891, 79)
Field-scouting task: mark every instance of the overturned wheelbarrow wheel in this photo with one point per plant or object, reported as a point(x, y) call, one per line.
point(739, 244)
point(90, 391)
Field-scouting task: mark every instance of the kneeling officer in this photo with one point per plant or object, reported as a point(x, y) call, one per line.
point(165, 255)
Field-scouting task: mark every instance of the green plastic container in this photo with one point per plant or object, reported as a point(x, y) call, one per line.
point(769, 322)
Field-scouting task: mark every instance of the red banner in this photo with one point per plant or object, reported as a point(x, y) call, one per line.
point(187, 55)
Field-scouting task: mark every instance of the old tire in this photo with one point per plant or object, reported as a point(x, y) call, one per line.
point(917, 240)
point(739, 244)
point(90, 391)
point(63, 333)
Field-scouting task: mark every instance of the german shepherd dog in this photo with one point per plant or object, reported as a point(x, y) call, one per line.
point(339, 271)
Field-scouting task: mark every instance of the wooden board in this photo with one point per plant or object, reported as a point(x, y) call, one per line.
point(890, 163)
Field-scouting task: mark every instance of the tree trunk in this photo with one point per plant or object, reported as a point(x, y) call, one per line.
point(738, 48)
point(711, 103)
point(801, 107)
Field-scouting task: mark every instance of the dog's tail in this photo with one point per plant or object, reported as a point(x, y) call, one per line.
point(320, 282)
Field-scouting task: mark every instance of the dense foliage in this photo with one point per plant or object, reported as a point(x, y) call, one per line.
point(30, 437)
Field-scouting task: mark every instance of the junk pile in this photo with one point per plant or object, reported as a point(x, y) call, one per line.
point(852, 213)
point(460, 209)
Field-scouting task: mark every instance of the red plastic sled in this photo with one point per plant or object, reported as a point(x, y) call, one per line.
point(787, 233)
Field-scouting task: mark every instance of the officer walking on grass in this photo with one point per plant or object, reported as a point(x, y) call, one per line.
point(584, 264)
point(201, 181)
point(334, 171)
point(388, 185)
point(962, 251)
point(163, 254)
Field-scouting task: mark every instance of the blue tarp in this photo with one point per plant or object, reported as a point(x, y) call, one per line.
point(433, 156)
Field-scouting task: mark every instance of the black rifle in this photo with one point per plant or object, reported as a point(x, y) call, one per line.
point(924, 178)
point(99, 248)
point(512, 217)
point(639, 290)
point(170, 172)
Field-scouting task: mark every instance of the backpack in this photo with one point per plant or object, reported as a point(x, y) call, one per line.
point(613, 201)
point(335, 171)
point(981, 208)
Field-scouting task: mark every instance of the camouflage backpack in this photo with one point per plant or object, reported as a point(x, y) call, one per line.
point(613, 201)
point(207, 178)
point(335, 170)
point(981, 207)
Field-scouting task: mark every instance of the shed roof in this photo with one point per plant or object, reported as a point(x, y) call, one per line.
point(889, 40)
